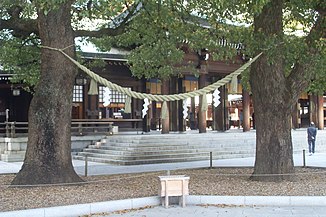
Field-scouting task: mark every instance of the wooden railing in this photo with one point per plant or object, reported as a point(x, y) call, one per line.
point(91, 127)
point(10, 129)
point(123, 124)
point(78, 126)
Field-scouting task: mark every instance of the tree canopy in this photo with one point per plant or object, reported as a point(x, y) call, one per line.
point(160, 29)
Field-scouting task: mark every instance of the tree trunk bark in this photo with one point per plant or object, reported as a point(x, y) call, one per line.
point(272, 102)
point(246, 110)
point(48, 154)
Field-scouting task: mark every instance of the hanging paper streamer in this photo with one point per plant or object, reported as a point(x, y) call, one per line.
point(145, 107)
point(106, 96)
point(128, 105)
point(204, 105)
point(165, 111)
point(185, 109)
point(216, 97)
point(93, 90)
point(234, 84)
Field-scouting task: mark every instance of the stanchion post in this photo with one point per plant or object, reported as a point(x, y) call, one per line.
point(304, 157)
point(210, 160)
point(86, 165)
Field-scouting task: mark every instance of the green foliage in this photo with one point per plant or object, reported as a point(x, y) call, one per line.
point(25, 7)
point(158, 35)
point(21, 58)
point(100, 10)
point(319, 62)
point(48, 5)
point(162, 32)
point(156, 60)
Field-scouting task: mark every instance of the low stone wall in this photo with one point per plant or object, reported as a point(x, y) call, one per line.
point(13, 149)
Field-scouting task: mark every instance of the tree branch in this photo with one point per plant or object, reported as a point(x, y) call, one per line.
point(101, 32)
point(21, 28)
point(301, 75)
point(121, 21)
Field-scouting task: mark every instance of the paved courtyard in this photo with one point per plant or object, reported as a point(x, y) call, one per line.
point(299, 206)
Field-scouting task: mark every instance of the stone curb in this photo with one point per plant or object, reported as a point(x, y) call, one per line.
point(111, 206)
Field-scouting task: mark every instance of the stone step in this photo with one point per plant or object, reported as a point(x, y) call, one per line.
point(158, 155)
point(160, 160)
point(162, 141)
point(149, 149)
point(137, 152)
point(194, 145)
point(139, 157)
point(12, 157)
point(98, 160)
point(175, 136)
point(185, 140)
point(143, 145)
point(164, 151)
point(133, 150)
point(172, 147)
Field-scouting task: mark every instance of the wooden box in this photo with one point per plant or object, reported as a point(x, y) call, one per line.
point(176, 185)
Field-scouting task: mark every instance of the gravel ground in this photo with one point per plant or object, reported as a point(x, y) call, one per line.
point(220, 181)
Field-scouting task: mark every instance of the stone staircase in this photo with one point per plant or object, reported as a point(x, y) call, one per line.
point(13, 149)
point(168, 148)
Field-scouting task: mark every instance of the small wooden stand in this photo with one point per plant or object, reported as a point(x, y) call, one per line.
point(173, 186)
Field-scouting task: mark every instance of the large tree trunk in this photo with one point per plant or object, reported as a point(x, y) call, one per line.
point(48, 154)
point(272, 102)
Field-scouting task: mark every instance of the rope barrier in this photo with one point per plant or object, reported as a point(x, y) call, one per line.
point(160, 98)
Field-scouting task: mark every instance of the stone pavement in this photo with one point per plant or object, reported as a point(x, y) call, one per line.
point(317, 160)
point(235, 206)
point(227, 211)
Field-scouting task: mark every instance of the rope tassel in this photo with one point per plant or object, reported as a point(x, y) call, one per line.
point(204, 105)
point(128, 105)
point(185, 109)
point(216, 98)
point(165, 111)
point(93, 90)
point(234, 84)
point(145, 107)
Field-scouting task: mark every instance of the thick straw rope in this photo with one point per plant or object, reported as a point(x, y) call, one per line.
point(159, 98)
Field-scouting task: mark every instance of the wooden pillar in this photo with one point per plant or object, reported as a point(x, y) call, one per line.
point(313, 108)
point(165, 122)
point(137, 104)
point(154, 116)
point(296, 122)
point(246, 110)
point(92, 111)
point(193, 115)
point(174, 105)
point(181, 121)
point(220, 112)
point(202, 114)
point(215, 117)
point(320, 112)
point(85, 103)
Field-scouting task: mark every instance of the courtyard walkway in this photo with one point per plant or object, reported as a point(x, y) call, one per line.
point(291, 206)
